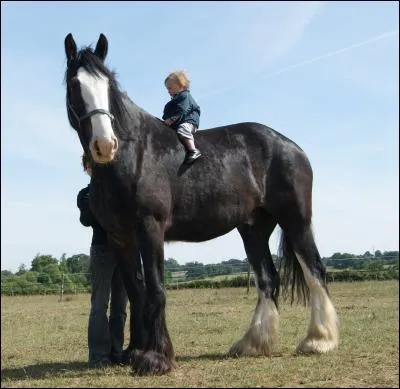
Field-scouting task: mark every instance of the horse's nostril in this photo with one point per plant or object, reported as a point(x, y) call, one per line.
point(97, 148)
point(115, 146)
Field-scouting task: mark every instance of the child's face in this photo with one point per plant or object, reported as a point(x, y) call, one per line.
point(173, 87)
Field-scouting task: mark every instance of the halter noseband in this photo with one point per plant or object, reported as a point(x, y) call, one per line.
point(89, 114)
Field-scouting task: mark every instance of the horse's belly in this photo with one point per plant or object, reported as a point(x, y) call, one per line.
point(191, 233)
point(204, 227)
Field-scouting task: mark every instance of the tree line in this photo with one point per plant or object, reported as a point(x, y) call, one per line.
point(47, 273)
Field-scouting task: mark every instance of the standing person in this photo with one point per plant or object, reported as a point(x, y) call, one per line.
point(105, 335)
point(182, 113)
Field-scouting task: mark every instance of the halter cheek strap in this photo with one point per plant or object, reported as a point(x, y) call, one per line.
point(89, 114)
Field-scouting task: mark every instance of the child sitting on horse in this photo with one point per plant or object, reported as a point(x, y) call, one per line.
point(182, 113)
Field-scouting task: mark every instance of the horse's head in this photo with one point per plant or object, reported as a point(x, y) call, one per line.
point(88, 102)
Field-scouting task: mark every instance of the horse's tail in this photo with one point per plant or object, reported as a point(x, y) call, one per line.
point(292, 277)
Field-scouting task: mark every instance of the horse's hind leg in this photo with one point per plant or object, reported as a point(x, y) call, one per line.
point(262, 334)
point(323, 334)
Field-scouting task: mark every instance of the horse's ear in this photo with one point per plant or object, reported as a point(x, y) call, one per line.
point(102, 47)
point(70, 47)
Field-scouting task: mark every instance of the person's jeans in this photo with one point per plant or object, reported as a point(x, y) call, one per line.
point(106, 336)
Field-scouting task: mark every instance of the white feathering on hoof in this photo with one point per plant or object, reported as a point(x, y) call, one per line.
point(262, 334)
point(323, 330)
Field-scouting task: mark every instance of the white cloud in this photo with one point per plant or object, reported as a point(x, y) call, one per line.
point(246, 49)
point(374, 39)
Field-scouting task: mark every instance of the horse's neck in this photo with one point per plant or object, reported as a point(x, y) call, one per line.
point(130, 119)
point(141, 121)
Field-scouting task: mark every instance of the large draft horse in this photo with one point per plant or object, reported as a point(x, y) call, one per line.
point(251, 178)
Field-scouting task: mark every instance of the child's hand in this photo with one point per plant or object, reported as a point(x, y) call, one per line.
point(168, 122)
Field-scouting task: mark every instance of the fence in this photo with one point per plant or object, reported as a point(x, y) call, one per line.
point(66, 284)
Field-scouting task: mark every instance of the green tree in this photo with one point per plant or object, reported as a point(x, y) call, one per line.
point(375, 265)
point(31, 276)
point(53, 271)
point(70, 286)
point(78, 263)
point(8, 281)
point(172, 265)
point(63, 263)
point(41, 261)
point(194, 270)
point(44, 278)
point(390, 254)
point(167, 276)
point(21, 269)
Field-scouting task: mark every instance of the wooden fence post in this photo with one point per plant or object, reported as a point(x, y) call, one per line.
point(62, 287)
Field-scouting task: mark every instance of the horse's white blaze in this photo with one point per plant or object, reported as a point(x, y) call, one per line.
point(323, 333)
point(262, 334)
point(95, 96)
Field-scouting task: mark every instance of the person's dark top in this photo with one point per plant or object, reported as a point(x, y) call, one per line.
point(182, 108)
point(87, 218)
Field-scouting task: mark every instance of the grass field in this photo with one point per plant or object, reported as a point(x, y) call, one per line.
point(43, 342)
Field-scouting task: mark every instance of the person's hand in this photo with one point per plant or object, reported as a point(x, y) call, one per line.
point(168, 122)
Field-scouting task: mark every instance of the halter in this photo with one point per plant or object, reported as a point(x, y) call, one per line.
point(89, 114)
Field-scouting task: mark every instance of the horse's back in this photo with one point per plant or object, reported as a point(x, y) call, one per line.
point(253, 142)
point(247, 134)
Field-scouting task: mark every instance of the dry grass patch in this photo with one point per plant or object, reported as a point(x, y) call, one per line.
point(43, 342)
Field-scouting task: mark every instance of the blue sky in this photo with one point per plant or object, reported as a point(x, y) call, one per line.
point(325, 74)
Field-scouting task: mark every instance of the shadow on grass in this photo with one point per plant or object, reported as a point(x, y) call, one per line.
point(218, 357)
point(204, 357)
point(75, 369)
point(42, 370)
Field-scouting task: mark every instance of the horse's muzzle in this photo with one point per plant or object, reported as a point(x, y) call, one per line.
point(103, 150)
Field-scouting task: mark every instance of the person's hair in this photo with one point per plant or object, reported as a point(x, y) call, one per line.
point(85, 161)
point(180, 77)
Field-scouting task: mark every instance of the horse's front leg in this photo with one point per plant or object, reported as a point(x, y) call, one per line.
point(131, 270)
point(158, 357)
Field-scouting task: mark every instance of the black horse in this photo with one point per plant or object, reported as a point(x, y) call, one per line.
point(251, 178)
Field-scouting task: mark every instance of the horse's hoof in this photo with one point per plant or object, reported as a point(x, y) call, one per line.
point(152, 363)
point(129, 356)
point(315, 346)
point(246, 347)
point(235, 351)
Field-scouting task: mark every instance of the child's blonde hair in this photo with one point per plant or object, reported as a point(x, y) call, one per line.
point(180, 77)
